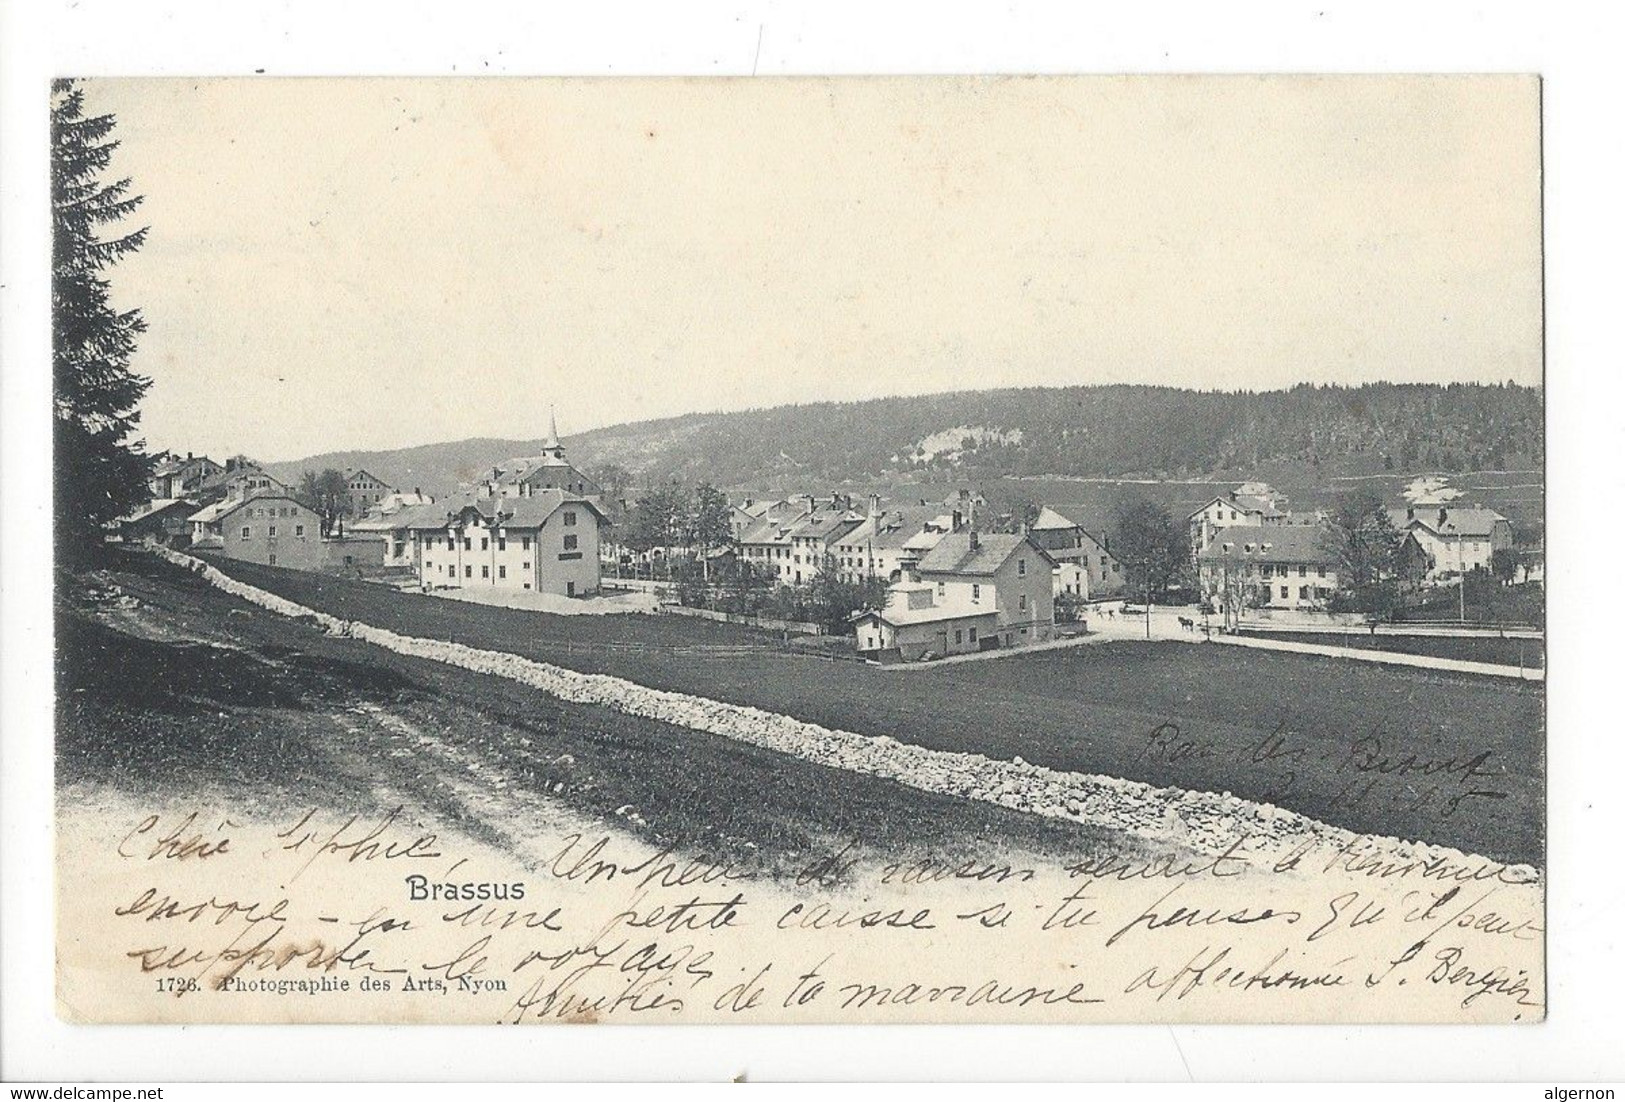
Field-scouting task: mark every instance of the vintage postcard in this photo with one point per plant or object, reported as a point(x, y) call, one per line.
point(860, 550)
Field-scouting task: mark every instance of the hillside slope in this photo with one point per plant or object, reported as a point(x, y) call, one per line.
point(1135, 431)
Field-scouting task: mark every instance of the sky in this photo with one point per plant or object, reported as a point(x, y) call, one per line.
point(370, 264)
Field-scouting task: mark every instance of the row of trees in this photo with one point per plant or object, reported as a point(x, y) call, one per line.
point(744, 588)
point(672, 518)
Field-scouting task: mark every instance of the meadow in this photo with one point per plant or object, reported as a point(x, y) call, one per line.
point(1446, 758)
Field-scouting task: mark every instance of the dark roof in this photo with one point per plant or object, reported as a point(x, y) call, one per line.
point(954, 554)
point(1470, 521)
point(261, 499)
point(1274, 543)
point(824, 526)
point(514, 512)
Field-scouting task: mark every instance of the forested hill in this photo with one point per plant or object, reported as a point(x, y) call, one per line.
point(1106, 431)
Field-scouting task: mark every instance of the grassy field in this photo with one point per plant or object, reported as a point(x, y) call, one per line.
point(1451, 759)
point(1531, 653)
point(198, 697)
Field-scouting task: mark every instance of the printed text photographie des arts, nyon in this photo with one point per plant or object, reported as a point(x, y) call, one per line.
point(809, 550)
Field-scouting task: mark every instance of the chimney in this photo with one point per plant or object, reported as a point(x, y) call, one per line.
point(874, 507)
point(1410, 512)
point(1443, 514)
point(959, 521)
point(974, 541)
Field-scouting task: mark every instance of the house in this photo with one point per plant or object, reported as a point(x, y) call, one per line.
point(546, 541)
point(224, 491)
point(916, 621)
point(1268, 566)
point(1253, 504)
point(271, 529)
point(1005, 571)
point(1084, 565)
point(889, 541)
point(363, 491)
point(812, 539)
point(793, 546)
point(390, 524)
point(1455, 540)
point(766, 548)
point(239, 480)
point(163, 521)
point(176, 477)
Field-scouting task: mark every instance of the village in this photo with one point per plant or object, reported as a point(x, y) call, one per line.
point(899, 580)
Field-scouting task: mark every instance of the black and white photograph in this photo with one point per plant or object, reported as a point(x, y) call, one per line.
point(814, 550)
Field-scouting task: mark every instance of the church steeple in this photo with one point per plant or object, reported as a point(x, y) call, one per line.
point(551, 445)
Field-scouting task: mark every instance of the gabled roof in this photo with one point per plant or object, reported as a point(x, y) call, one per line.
point(511, 512)
point(894, 528)
point(1051, 521)
point(224, 477)
point(231, 507)
point(954, 554)
point(956, 604)
point(158, 505)
point(769, 532)
point(211, 512)
point(1294, 543)
point(824, 526)
point(1472, 522)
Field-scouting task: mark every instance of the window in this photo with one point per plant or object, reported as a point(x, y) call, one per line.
point(1021, 568)
point(1024, 605)
point(468, 543)
point(975, 592)
point(485, 543)
point(959, 636)
point(1320, 570)
point(468, 571)
point(271, 531)
point(942, 589)
point(485, 571)
point(973, 635)
point(524, 543)
point(525, 566)
point(450, 546)
point(569, 518)
point(569, 589)
point(502, 544)
point(1283, 593)
point(502, 571)
point(570, 542)
point(1303, 570)
point(299, 530)
point(245, 531)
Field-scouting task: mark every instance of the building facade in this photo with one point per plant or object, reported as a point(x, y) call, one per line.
point(1084, 565)
point(917, 623)
point(1267, 566)
point(547, 542)
point(273, 530)
point(1006, 572)
point(1454, 540)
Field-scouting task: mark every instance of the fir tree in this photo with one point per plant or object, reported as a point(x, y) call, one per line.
point(100, 472)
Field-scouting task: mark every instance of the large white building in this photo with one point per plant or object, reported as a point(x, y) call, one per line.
point(546, 542)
